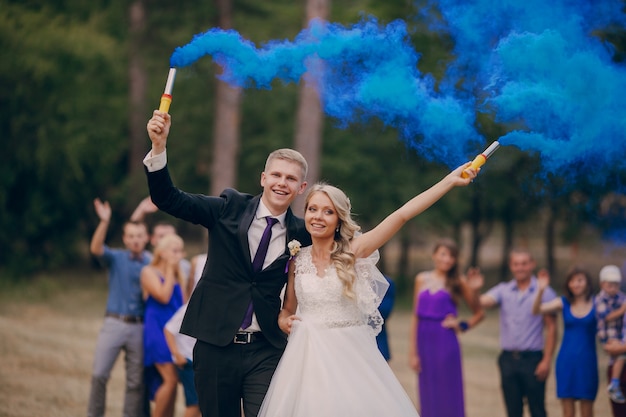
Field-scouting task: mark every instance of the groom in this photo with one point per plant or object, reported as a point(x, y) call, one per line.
point(234, 309)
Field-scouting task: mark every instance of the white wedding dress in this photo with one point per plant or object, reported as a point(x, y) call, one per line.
point(332, 366)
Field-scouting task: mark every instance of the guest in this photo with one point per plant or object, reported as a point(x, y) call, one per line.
point(159, 230)
point(577, 361)
point(434, 350)
point(610, 308)
point(122, 329)
point(161, 284)
point(181, 347)
point(195, 272)
point(526, 355)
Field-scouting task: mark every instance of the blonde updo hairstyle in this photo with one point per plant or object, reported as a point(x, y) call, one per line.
point(167, 242)
point(340, 255)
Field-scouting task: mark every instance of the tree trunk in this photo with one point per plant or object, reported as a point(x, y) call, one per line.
point(507, 242)
point(310, 119)
point(138, 106)
point(475, 220)
point(227, 122)
point(550, 240)
point(403, 280)
point(225, 138)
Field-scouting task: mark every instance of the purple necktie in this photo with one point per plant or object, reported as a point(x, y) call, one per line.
point(257, 263)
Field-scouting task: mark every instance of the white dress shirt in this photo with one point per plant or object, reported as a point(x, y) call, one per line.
point(255, 232)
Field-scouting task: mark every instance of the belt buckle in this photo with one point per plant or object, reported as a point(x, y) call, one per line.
point(517, 354)
point(242, 338)
point(128, 319)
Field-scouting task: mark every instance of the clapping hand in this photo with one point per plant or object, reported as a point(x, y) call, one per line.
point(451, 322)
point(475, 279)
point(543, 279)
point(103, 210)
point(146, 206)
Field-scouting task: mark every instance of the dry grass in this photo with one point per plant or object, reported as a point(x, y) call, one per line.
point(482, 382)
point(48, 333)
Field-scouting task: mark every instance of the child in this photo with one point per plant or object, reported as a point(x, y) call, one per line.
point(610, 308)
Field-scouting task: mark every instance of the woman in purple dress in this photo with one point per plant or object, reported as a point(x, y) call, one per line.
point(161, 285)
point(434, 351)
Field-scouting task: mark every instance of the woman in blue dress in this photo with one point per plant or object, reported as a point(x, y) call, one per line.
point(161, 285)
point(577, 361)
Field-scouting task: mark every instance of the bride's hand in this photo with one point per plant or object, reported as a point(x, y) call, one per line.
point(285, 323)
point(463, 174)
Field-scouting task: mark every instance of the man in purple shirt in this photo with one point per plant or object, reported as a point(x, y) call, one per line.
point(526, 355)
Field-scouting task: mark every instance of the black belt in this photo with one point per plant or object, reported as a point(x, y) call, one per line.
point(243, 338)
point(517, 354)
point(124, 318)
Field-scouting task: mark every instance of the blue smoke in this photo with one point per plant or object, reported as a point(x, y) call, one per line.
point(542, 72)
point(535, 66)
point(362, 71)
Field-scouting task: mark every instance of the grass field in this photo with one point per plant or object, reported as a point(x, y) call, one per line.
point(48, 333)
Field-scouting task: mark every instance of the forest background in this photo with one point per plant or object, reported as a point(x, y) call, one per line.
point(79, 80)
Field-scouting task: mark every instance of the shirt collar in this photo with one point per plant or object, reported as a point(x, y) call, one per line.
point(262, 211)
point(605, 296)
point(531, 288)
point(136, 257)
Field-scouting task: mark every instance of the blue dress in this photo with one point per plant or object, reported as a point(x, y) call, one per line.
point(155, 346)
point(577, 361)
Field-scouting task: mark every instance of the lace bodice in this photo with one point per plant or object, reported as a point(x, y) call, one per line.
point(321, 298)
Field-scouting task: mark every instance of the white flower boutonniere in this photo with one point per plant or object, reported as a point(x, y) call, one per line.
point(294, 247)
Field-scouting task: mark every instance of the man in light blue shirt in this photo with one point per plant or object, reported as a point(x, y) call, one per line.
point(122, 329)
point(527, 352)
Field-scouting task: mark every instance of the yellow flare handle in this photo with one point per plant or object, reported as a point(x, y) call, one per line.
point(166, 100)
point(476, 163)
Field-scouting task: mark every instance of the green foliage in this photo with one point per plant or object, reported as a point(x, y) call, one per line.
point(64, 125)
point(62, 108)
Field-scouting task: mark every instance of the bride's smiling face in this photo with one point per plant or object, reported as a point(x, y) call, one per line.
point(320, 216)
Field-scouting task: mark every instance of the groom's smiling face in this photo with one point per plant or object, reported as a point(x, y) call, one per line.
point(282, 182)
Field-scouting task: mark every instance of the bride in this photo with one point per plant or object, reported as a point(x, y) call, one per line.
point(332, 366)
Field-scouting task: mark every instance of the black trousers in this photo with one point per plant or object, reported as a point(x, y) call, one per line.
point(224, 376)
point(518, 382)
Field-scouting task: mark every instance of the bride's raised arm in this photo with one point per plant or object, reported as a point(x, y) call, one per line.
point(363, 245)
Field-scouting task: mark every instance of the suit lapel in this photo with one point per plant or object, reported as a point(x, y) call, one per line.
point(246, 220)
point(291, 228)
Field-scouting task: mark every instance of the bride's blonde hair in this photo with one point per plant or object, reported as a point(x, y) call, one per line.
point(340, 255)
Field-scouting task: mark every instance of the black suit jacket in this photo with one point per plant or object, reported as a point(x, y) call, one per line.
point(219, 302)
